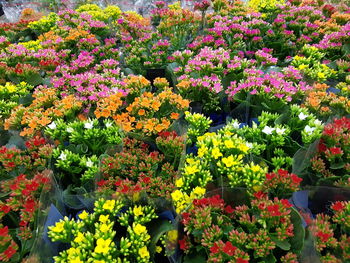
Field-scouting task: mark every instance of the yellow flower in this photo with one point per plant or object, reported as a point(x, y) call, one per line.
point(72, 252)
point(109, 205)
point(83, 215)
point(243, 147)
point(59, 227)
point(143, 252)
point(104, 228)
point(216, 153)
point(229, 144)
point(302, 66)
point(202, 151)
point(158, 249)
point(138, 211)
point(255, 168)
point(103, 218)
point(230, 161)
point(102, 246)
point(172, 235)
point(76, 260)
point(99, 261)
point(177, 195)
point(80, 238)
point(321, 75)
point(199, 191)
point(139, 229)
point(191, 169)
point(179, 182)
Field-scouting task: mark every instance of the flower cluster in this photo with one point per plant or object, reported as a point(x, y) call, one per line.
point(331, 163)
point(233, 234)
point(332, 233)
point(276, 140)
point(93, 235)
point(136, 170)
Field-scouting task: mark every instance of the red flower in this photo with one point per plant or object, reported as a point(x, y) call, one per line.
point(229, 249)
point(229, 209)
point(185, 217)
point(336, 150)
point(260, 195)
point(241, 260)
point(4, 208)
point(125, 189)
point(9, 252)
point(215, 249)
point(323, 236)
point(322, 147)
point(29, 206)
point(270, 176)
point(286, 203)
point(283, 173)
point(23, 223)
point(328, 130)
point(274, 210)
point(101, 183)
point(338, 206)
point(183, 244)
point(296, 179)
point(4, 231)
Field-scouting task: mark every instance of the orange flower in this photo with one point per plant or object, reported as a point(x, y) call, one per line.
point(159, 128)
point(141, 112)
point(156, 105)
point(138, 126)
point(174, 115)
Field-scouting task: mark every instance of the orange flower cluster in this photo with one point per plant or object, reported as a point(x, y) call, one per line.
point(136, 84)
point(45, 108)
point(341, 18)
point(75, 34)
point(149, 113)
point(324, 103)
point(30, 14)
point(327, 27)
point(109, 106)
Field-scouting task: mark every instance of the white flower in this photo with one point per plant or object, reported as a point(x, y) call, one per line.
point(235, 124)
point(318, 122)
point(70, 129)
point(89, 163)
point(249, 145)
point(302, 116)
point(52, 125)
point(63, 156)
point(280, 131)
point(109, 124)
point(88, 125)
point(309, 130)
point(268, 130)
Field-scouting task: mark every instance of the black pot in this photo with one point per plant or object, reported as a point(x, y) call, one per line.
point(153, 73)
point(196, 107)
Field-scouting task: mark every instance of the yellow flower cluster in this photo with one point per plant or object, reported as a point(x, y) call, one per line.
point(110, 12)
point(264, 5)
point(183, 201)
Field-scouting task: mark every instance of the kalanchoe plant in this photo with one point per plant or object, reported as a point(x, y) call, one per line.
point(136, 170)
point(171, 145)
point(261, 230)
point(332, 233)
point(114, 232)
point(198, 124)
point(80, 144)
point(330, 165)
point(277, 137)
point(19, 206)
point(310, 64)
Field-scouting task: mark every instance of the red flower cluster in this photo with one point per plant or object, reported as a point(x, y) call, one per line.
point(282, 183)
point(333, 157)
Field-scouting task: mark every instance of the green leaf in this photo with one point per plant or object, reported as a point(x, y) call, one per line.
point(285, 245)
point(297, 240)
point(336, 166)
point(156, 230)
point(270, 259)
point(346, 49)
point(34, 79)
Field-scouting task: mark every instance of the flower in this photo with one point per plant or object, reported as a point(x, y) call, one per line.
point(52, 125)
point(268, 130)
point(302, 116)
point(309, 130)
point(88, 125)
point(338, 206)
point(83, 215)
point(143, 252)
point(229, 249)
point(109, 205)
point(63, 156)
point(140, 229)
point(138, 211)
point(102, 246)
